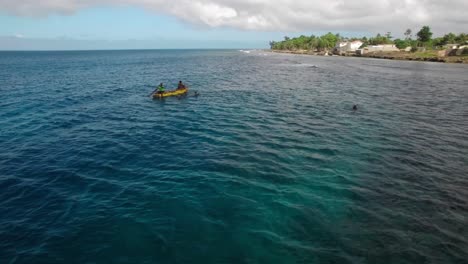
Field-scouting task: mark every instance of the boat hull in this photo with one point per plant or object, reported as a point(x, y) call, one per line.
point(171, 93)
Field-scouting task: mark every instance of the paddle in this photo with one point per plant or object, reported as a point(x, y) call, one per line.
point(153, 92)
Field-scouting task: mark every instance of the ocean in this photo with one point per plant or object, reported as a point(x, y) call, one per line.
point(269, 164)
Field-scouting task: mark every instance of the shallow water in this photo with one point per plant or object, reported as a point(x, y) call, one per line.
point(268, 165)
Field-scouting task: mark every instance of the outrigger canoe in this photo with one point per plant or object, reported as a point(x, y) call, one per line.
point(170, 93)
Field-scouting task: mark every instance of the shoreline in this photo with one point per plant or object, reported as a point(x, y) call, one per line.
point(403, 56)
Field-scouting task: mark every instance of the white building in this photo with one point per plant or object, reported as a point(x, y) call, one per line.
point(451, 46)
point(348, 46)
point(341, 44)
point(377, 48)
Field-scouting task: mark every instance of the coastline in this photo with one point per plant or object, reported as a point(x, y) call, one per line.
point(386, 55)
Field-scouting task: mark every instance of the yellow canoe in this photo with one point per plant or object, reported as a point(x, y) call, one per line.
point(170, 93)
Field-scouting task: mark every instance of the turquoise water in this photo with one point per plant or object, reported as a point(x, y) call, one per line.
point(268, 165)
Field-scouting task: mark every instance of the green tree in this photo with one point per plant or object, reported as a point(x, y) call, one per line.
point(330, 40)
point(378, 40)
point(339, 37)
point(425, 34)
point(462, 39)
point(402, 44)
point(438, 42)
point(272, 44)
point(321, 44)
point(449, 38)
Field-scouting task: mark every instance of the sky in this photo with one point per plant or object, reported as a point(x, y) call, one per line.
point(148, 24)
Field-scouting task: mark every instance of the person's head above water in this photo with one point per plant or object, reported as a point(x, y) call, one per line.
point(180, 81)
point(355, 107)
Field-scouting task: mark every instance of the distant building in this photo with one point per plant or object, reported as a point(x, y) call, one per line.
point(377, 48)
point(341, 44)
point(458, 51)
point(451, 46)
point(348, 46)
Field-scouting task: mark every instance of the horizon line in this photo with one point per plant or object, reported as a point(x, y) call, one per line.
point(155, 49)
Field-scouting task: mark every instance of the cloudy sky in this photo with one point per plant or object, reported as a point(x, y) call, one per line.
point(97, 24)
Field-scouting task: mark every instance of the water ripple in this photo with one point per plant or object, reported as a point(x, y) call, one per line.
point(268, 165)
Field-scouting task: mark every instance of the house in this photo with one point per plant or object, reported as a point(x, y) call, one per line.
point(377, 48)
point(459, 51)
point(450, 46)
point(341, 44)
point(348, 46)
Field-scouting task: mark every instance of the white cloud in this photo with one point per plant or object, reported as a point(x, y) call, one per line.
point(280, 15)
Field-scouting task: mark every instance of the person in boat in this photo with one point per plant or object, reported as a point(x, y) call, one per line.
point(180, 86)
point(160, 89)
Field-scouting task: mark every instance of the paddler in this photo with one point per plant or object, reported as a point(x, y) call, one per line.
point(160, 89)
point(181, 85)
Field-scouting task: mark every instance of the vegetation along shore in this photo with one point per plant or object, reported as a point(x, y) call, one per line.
point(449, 48)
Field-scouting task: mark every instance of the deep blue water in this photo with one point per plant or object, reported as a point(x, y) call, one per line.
point(268, 165)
